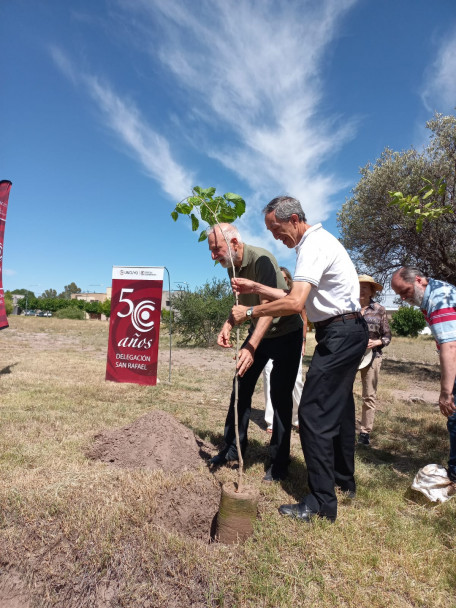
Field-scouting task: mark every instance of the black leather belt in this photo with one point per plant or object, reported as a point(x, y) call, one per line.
point(344, 317)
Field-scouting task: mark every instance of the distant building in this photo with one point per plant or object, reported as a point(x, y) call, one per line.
point(165, 303)
point(388, 301)
point(93, 297)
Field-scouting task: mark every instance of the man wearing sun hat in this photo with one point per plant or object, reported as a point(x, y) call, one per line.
point(379, 336)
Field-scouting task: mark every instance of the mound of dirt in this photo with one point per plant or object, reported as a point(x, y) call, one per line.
point(158, 441)
point(154, 441)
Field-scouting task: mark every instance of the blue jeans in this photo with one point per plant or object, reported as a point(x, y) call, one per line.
point(451, 426)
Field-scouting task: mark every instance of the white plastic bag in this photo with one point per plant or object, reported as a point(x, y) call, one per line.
point(432, 480)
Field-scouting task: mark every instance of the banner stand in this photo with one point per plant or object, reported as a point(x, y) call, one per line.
point(134, 324)
point(5, 187)
point(170, 322)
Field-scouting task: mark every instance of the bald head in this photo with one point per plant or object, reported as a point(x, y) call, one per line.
point(224, 239)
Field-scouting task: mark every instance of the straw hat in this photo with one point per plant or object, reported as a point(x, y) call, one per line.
point(365, 278)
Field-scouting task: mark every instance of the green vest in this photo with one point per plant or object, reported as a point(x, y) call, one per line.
point(261, 266)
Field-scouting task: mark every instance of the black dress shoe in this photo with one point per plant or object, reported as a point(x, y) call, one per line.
point(221, 458)
point(218, 459)
point(364, 439)
point(271, 476)
point(302, 511)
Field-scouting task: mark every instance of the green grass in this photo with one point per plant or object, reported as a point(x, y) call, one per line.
point(79, 533)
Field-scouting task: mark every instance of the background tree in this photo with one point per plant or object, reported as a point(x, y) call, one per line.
point(68, 290)
point(23, 292)
point(105, 308)
point(379, 235)
point(199, 314)
point(407, 321)
point(49, 293)
point(8, 303)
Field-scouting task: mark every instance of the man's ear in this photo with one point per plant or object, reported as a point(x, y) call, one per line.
point(234, 241)
point(294, 218)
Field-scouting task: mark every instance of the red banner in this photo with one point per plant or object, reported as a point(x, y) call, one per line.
point(134, 324)
point(5, 187)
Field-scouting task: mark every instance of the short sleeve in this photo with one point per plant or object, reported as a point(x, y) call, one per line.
point(265, 272)
point(311, 264)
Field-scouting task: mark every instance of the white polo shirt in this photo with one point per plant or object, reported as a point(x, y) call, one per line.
point(324, 263)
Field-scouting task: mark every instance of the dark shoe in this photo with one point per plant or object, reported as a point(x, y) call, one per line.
point(364, 438)
point(303, 512)
point(346, 492)
point(451, 475)
point(221, 458)
point(270, 477)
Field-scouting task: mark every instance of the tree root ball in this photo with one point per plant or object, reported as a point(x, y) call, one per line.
point(237, 512)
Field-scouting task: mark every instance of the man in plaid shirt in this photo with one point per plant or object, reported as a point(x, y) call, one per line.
point(437, 301)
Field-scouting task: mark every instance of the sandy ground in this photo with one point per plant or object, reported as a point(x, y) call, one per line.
point(157, 441)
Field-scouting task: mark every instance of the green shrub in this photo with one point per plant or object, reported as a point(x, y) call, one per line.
point(166, 317)
point(200, 314)
point(105, 307)
point(407, 321)
point(71, 312)
point(8, 303)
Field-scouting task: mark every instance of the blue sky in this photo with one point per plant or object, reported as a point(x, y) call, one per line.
point(112, 110)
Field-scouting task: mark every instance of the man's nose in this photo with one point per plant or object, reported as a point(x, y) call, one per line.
point(213, 256)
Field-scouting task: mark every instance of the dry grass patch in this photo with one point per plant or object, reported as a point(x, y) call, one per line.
point(78, 532)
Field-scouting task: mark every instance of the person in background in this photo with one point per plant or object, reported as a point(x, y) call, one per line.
point(437, 301)
point(379, 336)
point(297, 391)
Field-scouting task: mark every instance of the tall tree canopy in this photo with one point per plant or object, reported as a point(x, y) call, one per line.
point(49, 293)
point(379, 237)
point(68, 290)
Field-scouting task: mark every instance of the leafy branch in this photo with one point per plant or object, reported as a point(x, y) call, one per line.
point(417, 207)
point(212, 209)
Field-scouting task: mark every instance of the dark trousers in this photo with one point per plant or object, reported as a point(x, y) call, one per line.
point(285, 351)
point(327, 412)
point(451, 426)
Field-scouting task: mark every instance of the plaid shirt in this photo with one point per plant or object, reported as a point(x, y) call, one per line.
point(439, 309)
point(379, 329)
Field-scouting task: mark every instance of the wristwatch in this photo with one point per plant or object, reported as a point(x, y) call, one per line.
point(249, 312)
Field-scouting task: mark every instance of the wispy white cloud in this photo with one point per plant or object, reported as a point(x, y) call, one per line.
point(254, 69)
point(121, 116)
point(8, 272)
point(439, 89)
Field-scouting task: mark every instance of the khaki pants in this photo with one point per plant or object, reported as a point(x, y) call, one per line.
point(369, 379)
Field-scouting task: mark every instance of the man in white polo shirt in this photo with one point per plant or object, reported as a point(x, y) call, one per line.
point(326, 283)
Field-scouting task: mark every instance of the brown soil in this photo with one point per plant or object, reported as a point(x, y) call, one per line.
point(13, 591)
point(417, 395)
point(157, 441)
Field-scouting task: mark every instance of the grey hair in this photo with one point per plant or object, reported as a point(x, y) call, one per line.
point(285, 207)
point(228, 231)
point(409, 273)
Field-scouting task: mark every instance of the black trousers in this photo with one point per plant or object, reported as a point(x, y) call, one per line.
point(327, 412)
point(285, 351)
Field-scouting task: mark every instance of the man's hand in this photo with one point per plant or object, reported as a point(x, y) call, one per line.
point(224, 336)
point(245, 359)
point(238, 314)
point(242, 285)
point(373, 343)
point(446, 404)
